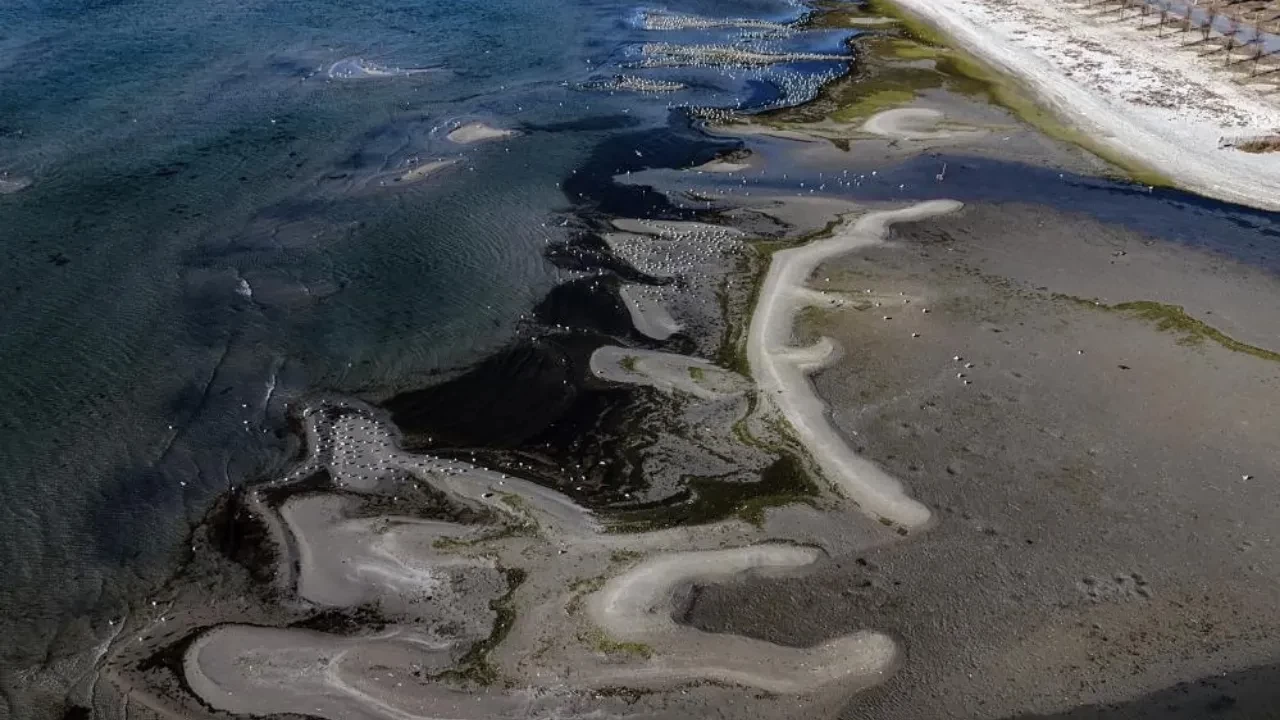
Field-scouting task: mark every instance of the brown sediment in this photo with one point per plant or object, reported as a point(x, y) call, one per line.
point(1074, 457)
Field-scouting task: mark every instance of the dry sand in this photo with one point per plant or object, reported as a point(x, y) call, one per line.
point(629, 607)
point(667, 372)
point(415, 596)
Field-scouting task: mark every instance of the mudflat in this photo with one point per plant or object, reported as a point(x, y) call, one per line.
point(1092, 417)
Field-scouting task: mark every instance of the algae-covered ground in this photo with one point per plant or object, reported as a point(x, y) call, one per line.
point(899, 58)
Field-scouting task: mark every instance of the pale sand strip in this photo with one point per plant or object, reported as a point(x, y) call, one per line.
point(914, 124)
point(425, 170)
point(781, 370)
point(1136, 94)
point(351, 561)
point(478, 132)
point(649, 317)
point(667, 372)
point(251, 670)
point(637, 607)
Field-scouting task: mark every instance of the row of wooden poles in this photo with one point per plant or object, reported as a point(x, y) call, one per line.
point(1245, 25)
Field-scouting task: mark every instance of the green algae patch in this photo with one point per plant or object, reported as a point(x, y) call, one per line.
point(905, 49)
point(597, 639)
point(871, 104)
point(880, 68)
point(475, 665)
point(1174, 319)
point(1006, 91)
point(711, 499)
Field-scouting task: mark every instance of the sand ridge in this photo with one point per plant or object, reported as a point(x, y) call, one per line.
point(781, 370)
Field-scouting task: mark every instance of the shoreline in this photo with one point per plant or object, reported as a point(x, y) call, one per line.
point(1095, 90)
point(541, 564)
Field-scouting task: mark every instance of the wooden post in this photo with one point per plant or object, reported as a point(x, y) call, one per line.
point(1208, 25)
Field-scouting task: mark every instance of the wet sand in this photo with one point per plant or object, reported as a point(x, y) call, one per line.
point(1104, 488)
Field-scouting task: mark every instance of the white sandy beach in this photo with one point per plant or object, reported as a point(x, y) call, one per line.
point(1141, 96)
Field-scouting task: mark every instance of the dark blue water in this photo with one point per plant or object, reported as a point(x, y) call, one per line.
point(213, 230)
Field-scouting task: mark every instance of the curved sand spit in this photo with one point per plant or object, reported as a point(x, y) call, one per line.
point(252, 670)
point(649, 317)
point(781, 369)
point(388, 561)
point(913, 124)
point(666, 371)
point(637, 606)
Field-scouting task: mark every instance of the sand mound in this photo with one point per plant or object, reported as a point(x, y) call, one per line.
point(478, 132)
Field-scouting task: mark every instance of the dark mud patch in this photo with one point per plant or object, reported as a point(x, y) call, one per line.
point(536, 411)
point(242, 537)
point(1252, 694)
point(167, 662)
point(706, 500)
point(344, 621)
point(590, 303)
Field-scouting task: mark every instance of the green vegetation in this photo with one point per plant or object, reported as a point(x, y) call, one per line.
point(624, 556)
point(889, 74)
point(475, 665)
point(697, 374)
point(872, 103)
point(581, 588)
point(710, 499)
point(528, 522)
point(1007, 92)
point(610, 646)
point(605, 644)
point(1174, 319)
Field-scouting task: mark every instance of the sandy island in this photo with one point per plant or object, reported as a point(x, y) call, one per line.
point(478, 132)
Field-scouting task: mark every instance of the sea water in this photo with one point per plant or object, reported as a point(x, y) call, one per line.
point(215, 226)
